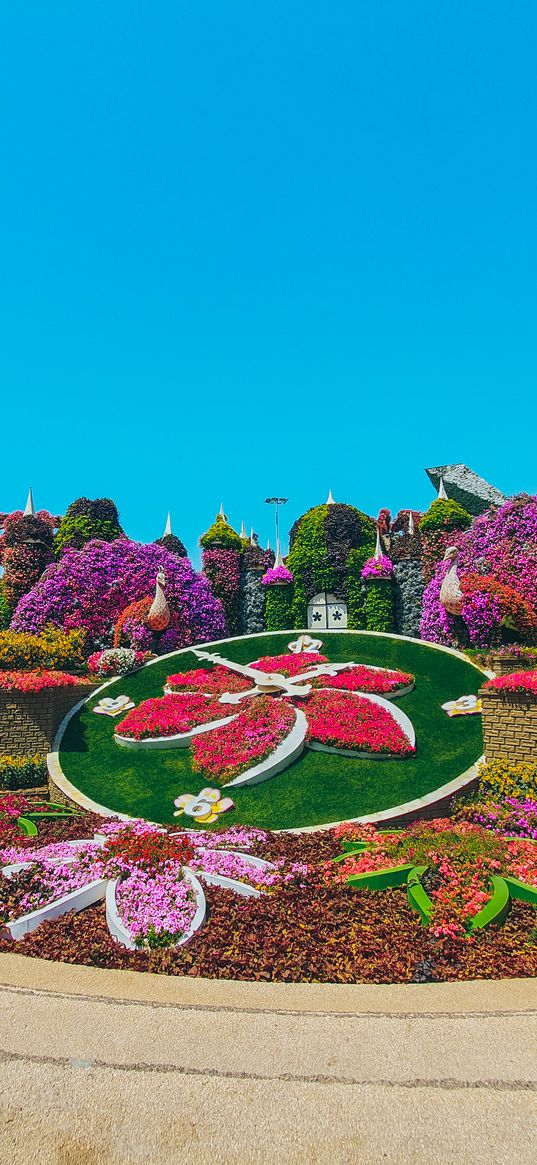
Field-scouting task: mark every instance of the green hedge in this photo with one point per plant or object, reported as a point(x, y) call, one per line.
point(379, 604)
point(22, 772)
point(279, 608)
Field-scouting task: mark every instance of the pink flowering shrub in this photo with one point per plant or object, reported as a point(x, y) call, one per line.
point(91, 587)
point(378, 567)
point(225, 752)
point(500, 547)
point(344, 720)
point(277, 575)
point(516, 681)
point(170, 715)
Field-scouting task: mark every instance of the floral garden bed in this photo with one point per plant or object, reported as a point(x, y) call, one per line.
point(304, 920)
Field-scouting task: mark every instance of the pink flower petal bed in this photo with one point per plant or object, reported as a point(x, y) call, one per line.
point(366, 679)
point(170, 715)
point(36, 681)
point(347, 721)
point(289, 665)
point(224, 753)
point(214, 681)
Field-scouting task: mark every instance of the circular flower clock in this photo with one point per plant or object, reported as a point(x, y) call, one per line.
point(245, 724)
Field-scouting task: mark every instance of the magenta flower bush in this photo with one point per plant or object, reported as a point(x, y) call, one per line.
point(89, 588)
point(277, 575)
point(500, 545)
point(378, 567)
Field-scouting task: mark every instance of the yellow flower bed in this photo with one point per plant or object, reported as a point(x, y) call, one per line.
point(507, 779)
point(22, 772)
point(52, 649)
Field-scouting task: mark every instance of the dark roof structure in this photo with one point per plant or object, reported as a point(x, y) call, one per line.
point(466, 487)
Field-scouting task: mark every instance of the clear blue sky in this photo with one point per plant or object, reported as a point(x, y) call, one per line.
point(254, 248)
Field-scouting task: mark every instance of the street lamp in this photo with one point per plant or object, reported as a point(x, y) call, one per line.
point(277, 502)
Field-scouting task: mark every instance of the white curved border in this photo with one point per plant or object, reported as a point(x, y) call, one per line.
point(400, 717)
point(119, 930)
point(75, 901)
point(288, 751)
point(73, 794)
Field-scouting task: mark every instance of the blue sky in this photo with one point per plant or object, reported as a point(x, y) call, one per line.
point(249, 249)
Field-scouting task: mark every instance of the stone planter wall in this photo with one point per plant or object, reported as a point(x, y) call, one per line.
point(29, 720)
point(509, 725)
point(503, 666)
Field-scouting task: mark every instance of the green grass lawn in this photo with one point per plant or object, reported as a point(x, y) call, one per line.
point(318, 787)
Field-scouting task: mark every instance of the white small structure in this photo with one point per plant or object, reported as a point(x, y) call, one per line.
point(168, 526)
point(442, 495)
point(378, 547)
point(29, 509)
point(221, 513)
point(326, 611)
point(411, 530)
point(243, 533)
point(330, 501)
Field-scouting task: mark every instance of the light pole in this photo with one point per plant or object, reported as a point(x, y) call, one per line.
point(277, 502)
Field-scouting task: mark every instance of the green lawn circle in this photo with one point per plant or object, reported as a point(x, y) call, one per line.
point(316, 789)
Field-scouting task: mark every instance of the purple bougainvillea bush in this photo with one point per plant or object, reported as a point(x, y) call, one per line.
point(501, 548)
point(90, 588)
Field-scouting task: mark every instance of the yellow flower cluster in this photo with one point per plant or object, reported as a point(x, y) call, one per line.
point(22, 772)
point(506, 779)
point(52, 649)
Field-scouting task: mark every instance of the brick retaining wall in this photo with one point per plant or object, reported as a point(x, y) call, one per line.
point(509, 725)
point(503, 666)
point(29, 720)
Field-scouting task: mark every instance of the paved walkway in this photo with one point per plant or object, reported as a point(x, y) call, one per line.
point(117, 1068)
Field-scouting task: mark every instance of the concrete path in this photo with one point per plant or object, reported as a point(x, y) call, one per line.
point(116, 1068)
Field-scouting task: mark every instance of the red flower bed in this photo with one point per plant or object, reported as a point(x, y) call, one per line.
point(148, 851)
point(366, 679)
point(36, 681)
point(170, 716)
point(289, 665)
point(344, 720)
point(225, 752)
point(516, 681)
point(215, 681)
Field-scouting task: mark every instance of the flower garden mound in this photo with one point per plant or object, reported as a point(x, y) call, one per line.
point(318, 788)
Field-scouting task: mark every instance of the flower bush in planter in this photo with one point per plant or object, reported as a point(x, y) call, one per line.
point(116, 661)
point(36, 681)
point(277, 576)
point(516, 681)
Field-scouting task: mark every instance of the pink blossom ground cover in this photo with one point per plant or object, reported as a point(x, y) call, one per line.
point(170, 715)
point(289, 665)
point(214, 681)
point(366, 679)
point(516, 681)
point(224, 753)
point(345, 720)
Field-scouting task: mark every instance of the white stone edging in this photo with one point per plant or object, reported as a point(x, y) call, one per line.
point(74, 901)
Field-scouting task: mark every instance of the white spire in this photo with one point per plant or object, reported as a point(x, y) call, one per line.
point(29, 511)
point(278, 561)
point(168, 526)
point(221, 512)
point(269, 547)
point(330, 501)
point(442, 495)
point(243, 533)
point(410, 523)
point(378, 547)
